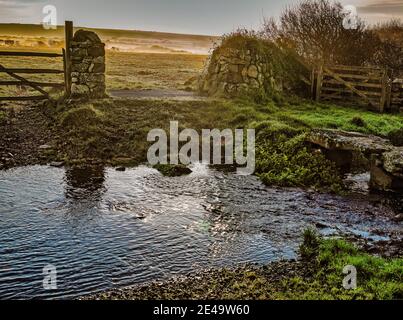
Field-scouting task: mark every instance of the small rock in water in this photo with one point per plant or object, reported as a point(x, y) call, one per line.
point(57, 164)
point(173, 170)
point(121, 169)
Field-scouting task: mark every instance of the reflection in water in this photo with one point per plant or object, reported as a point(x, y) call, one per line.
point(85, 182)
point(103, 229)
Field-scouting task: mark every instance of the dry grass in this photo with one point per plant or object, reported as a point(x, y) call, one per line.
point(126, 70)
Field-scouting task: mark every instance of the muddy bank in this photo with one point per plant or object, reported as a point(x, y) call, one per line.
point(215, 284)
point(316, 275)
point(26, 136)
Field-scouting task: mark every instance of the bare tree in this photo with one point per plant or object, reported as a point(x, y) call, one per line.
point(314, 29)
point(389, 51)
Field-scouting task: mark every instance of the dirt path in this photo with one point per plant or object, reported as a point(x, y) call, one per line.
point(170, 94)
point(24, 136)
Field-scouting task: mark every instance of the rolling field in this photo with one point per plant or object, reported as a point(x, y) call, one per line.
point(135, 59)
point(125, 70)
point(152, 70)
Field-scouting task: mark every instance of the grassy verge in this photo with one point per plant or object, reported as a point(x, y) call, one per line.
point(377, 278)
point(318, 275)
point(115, 132)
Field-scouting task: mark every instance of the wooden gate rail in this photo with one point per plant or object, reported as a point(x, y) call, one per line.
point(30, 71)
point(368, 85)
point(39, 85)
point(30, 54)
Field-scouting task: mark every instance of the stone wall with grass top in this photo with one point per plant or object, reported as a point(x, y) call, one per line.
point(88, 65)
point(247, 64)
point(237, 71)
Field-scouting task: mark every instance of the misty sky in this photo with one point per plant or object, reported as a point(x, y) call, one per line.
point(183, 16)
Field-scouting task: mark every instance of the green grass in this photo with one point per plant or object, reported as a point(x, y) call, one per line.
point(282, 156)
point(377, 278)
point(109, 130)
point(319, 115)
point(115, 131)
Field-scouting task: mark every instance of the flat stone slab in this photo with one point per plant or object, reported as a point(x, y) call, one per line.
point(386, 160)
point(349, 141)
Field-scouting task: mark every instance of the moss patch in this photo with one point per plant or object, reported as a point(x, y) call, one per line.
point(377, 278)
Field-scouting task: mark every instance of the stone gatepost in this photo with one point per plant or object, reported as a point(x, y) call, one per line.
point(88, 65)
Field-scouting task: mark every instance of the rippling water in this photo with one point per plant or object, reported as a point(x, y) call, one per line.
point(104, 229)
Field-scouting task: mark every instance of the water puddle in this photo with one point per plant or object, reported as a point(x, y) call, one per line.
point(103, 229)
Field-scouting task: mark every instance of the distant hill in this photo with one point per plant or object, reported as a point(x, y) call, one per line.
point(126, 40)
point(37, 30)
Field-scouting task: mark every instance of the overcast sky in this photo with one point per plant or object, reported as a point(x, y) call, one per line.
point(183, 16)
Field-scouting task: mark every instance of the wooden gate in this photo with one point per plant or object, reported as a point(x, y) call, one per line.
point(359, 85)
point(19, 80)
point(38, 86)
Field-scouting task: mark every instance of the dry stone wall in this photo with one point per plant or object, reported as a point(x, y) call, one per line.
point(88, 65)
point(232, 72)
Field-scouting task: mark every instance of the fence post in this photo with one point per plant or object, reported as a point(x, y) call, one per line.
point(384, 94)
point(68, 30)
point(389, 90)
point(319, 83)
point(312, 82)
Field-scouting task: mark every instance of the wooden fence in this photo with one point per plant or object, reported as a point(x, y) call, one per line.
point(19, 80)
point(397, 94)
point(348, 84)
